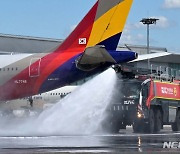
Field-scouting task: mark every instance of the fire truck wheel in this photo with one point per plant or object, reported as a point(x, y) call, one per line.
point(114, 128)
point(149, 128)
point(176, 125)
point(111, 127)
point(136, 127)
point(158, 121)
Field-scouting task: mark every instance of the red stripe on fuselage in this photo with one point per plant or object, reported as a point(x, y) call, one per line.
point(48, 65)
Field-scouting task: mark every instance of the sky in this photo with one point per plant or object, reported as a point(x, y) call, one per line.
point(57, 18)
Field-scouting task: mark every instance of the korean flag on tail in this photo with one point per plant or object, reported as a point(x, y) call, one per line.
point(82, 41)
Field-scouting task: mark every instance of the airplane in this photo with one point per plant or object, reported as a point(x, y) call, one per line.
point(53, 96)
point(38, 103)
point(89, 49)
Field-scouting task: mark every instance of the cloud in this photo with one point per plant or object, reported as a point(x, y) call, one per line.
point(129, 38)
point(133, 26)
point(135, 33)
point(163, 22)
point(171, 4)
point(126, 36)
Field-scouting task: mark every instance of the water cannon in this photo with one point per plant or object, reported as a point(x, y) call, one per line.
point(124, 70)
point(142, 77)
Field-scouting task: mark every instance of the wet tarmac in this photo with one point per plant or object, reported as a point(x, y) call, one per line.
point(125, 141)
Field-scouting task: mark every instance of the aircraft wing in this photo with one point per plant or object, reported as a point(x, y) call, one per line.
point(150, 56)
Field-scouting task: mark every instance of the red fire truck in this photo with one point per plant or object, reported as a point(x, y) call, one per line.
point(144, 101)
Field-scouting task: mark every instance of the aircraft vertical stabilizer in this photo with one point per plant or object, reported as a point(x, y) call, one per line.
point(103, 25)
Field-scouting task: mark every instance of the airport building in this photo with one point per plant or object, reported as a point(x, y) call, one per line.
point(10, 44)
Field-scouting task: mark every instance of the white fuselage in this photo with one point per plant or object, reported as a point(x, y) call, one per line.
point(40, 101)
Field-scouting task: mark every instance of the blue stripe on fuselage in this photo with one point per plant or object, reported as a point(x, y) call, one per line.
point(68, 73)
point(64, 75)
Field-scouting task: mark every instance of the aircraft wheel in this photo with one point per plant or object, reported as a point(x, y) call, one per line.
point(158, 121)
point(176, 125)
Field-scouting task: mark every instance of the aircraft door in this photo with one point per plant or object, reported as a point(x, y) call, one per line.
point(34, 67)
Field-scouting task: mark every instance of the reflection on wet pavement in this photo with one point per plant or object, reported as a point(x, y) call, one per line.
point(126, 141)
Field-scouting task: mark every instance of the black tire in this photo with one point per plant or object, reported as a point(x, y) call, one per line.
point(158, 121)
point(136, 127)
point(113, 128)
point(110, 126)
point(149, 128)
point(176, 125)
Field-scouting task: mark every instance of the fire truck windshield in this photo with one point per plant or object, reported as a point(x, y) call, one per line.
point(131, 89)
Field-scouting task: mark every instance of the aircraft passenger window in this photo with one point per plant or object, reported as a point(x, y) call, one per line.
point(12, 69)
point(8, 69)
point(3, 69)
point(0, 69)
point(16, 68)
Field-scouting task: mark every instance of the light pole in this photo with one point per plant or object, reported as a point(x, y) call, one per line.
point(148, 21)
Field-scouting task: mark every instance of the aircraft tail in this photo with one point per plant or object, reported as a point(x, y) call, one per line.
point(103, 25)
